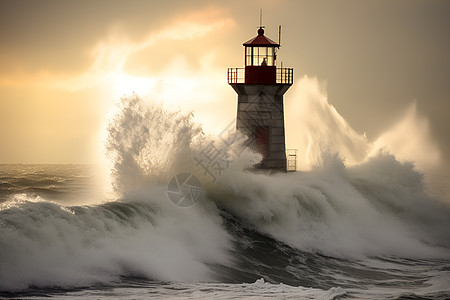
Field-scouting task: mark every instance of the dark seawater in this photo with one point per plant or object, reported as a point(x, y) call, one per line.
point(143, 246)
point(61, 183)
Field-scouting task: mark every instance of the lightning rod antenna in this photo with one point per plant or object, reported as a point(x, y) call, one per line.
point(260, 18)
point(279, 35)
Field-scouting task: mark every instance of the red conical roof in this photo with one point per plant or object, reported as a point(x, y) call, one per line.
point(261, 40)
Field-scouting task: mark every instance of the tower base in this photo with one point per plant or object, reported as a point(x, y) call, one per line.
point(260, 116)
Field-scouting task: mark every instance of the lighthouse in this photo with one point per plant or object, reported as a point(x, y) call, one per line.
point(260, 87)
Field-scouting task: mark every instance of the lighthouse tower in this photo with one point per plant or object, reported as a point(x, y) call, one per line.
point(260, 87)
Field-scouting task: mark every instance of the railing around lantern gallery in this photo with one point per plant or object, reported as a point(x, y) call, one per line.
point(283, 75)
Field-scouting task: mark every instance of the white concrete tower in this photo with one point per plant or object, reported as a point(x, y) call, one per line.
point(260, 87)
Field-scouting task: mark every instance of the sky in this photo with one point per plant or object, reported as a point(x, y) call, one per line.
point(64, 64)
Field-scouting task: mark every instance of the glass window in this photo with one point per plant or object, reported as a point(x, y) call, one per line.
point(248, 56)
point(258, 56)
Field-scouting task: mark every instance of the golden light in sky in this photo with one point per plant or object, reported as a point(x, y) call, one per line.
point(109, 76)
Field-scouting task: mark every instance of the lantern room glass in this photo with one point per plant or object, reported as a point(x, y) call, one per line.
point(260, 56)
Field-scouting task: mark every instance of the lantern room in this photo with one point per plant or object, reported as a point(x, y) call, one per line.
point(260, 51)
point(260, 59)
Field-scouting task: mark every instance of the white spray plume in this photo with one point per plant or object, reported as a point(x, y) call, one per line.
point(313, 126)
point(410, 140)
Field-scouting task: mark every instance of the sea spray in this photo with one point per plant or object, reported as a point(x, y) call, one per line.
point(146, 143)
point(149, 144)
point(45, 244)
point(140, 234)
point(314, 126)
point(342, 211)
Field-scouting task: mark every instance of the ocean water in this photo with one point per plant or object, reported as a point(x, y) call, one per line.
point(370, 230)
